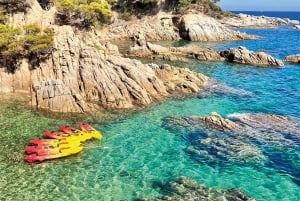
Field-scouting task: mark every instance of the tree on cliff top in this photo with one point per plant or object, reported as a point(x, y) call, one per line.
point(83, 13)
point(29, 42)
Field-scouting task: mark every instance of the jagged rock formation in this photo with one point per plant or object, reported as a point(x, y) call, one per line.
point(239, 55)
point(215, 120)
point(242, 55)
point(244, 20)
point(194, 27)
point(203, 28)
point(83, 74)
point(183, 189)
point(293, 58)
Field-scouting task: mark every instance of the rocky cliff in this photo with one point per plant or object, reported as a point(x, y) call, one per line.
point(164, 26)
point(83, 74)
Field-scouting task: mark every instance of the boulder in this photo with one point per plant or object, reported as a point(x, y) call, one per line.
point(297, 27)
point(180, 80)
point(197, 27)
point(293, 59)
point(242, 55)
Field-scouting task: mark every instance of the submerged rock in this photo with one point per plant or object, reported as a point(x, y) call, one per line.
point(293, 59)
point(185, 189)
point(279, 126)
point(238, 138)
point(243, 138)
point(242, 55)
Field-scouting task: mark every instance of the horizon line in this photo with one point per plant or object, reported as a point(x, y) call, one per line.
point(265, 10)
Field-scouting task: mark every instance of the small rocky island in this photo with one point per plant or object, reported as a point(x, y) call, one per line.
point(293, 58)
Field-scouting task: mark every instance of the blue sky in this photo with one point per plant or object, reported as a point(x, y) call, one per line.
point(260, 5)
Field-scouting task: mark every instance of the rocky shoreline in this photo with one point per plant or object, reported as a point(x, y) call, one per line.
point(165, 26)
point(240, 55)
point(249, 21)
point(84, 73)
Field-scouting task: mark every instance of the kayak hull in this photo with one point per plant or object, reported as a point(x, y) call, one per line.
point(61, 153)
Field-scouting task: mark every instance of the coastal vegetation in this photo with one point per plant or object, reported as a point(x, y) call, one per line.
point(84, 13)
point(29, 41)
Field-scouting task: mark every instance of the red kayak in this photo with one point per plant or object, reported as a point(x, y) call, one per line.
point(50, 149)
point(89, 129)
point(41, 142)
point(83, 136)
point(61, 153)
point(62, 135)
point(42, 150)
point(56, 134)
point(85, 127)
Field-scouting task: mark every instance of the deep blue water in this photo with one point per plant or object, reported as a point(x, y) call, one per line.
point(137, 152)
point(293, 15)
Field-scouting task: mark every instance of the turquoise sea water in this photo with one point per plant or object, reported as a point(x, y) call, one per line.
point(137, 153)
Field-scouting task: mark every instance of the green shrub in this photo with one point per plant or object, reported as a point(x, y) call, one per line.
point(29, 42)
point(84, 13)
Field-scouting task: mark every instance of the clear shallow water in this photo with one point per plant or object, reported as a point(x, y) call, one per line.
point(137, 153)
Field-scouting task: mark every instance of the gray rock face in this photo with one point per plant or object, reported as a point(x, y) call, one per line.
point(159, 27)
point(194, 27)
point(203, 28)
point(55, 95)
point(244, 20)
point(293, 59)
point(242, 55)
point(83, 74)
point(183, 189)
